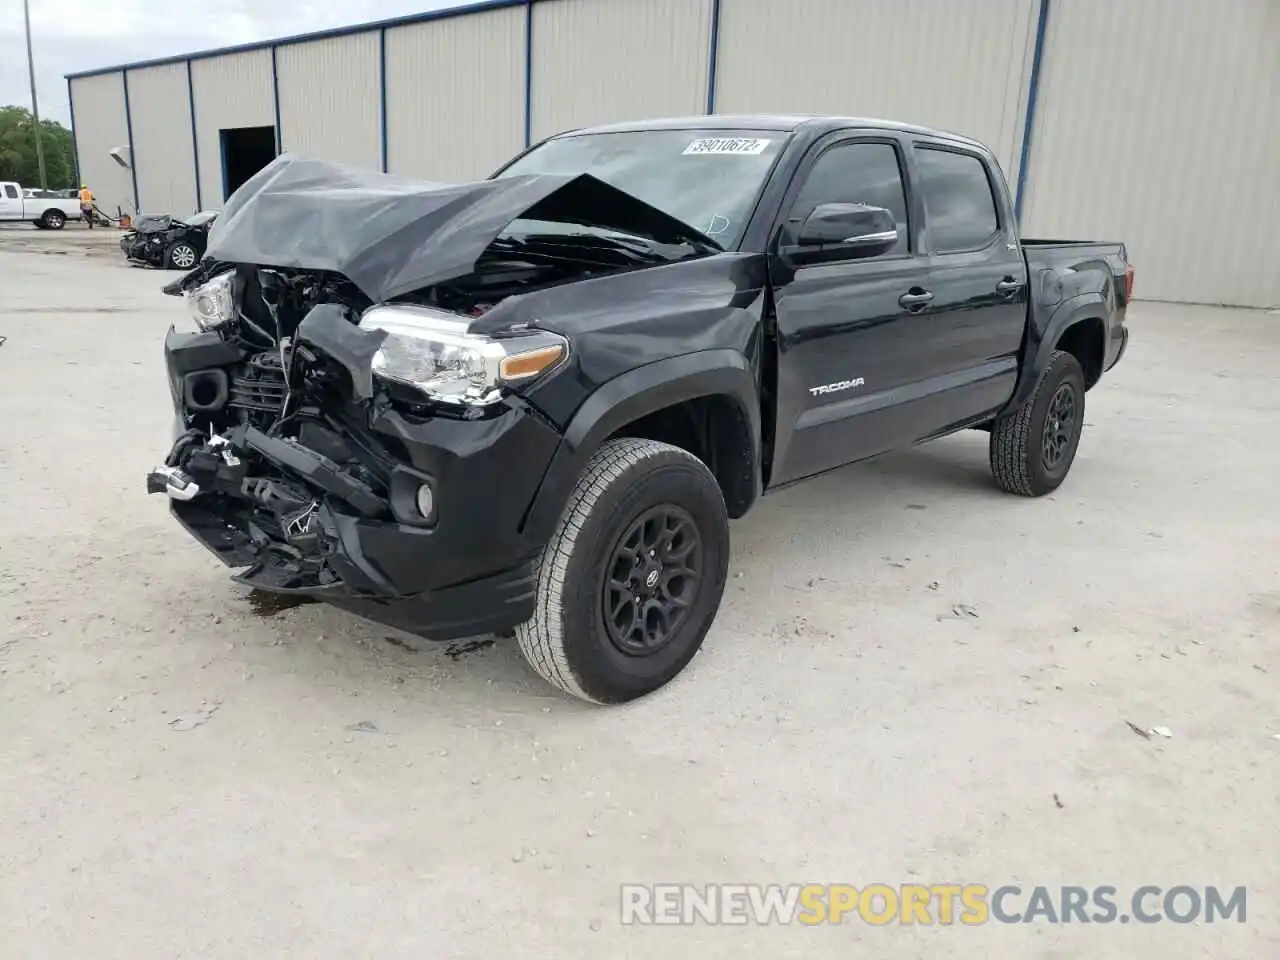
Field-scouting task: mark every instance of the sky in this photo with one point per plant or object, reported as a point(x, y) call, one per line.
point(72, 35)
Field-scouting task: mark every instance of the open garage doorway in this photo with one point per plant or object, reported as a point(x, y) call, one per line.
point(245, 151)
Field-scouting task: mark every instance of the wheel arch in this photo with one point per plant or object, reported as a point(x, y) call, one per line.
point(706, 400)
point(1085, 315)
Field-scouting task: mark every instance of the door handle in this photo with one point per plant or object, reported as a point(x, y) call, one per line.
point(1009, 285)
point(916, 299)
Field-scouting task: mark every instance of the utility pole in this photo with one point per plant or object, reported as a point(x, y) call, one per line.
point(35, 106)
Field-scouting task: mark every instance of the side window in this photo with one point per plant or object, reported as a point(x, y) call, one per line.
point(11, 191)
point(958, 201)
point(858, 173)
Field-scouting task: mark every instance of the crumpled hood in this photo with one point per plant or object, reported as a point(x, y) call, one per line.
point(390, 235)
point(156, 224)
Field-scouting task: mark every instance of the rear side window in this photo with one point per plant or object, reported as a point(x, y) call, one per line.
point(11, 191)
point(857, 173)
point(958, 201)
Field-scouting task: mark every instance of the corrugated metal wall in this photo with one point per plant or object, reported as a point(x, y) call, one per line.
point(230, 91)
point(956, 64)
point(163, 157)
point(1158, 123)
point(601, 60)
point(98, 104)
point(330, 104)
point(455, 95)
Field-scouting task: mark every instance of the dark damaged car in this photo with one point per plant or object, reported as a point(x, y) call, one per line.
point(533, 403)
point(165, 241)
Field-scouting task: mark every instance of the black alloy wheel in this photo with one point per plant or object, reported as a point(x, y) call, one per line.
point(652, 580)
point(1059, 428)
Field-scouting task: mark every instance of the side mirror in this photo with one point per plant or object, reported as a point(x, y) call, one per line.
point(844, 231)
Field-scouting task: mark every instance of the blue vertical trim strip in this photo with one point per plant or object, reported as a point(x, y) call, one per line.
point(195, 143)
point(128, 126)
point(528, 73)
point(382, 91)
point(75, 142)
point(275, 97)
point(1033, 94)
point(713, 55)
point(222, 154)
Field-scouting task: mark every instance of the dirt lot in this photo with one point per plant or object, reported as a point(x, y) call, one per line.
point(914, 678)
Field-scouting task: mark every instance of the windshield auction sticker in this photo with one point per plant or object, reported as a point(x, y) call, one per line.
point(729, 146)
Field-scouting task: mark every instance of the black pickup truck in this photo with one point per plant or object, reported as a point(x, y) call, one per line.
point(532, 403)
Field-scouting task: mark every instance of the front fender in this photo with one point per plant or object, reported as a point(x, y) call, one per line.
point(635, 394)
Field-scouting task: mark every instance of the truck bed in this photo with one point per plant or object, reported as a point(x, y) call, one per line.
point(1107, 256)
point(1066, 274)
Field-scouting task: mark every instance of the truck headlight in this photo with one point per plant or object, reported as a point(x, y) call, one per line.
point(213, 304)
point(435, 353)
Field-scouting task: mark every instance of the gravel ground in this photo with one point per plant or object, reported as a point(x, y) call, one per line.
point(914, 678)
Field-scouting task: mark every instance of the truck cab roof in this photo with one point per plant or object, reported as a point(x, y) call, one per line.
point(815, 124)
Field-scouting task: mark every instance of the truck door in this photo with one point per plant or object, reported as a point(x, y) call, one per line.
point(848, 326)
point(10, 202)
point(977, 277)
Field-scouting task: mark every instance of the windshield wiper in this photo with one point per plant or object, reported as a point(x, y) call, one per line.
point(645, 244)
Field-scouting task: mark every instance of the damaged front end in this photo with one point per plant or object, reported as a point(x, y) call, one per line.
point(365, 456)
point(348, 425)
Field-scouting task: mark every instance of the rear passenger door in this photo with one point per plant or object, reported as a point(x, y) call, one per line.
point(977, 278)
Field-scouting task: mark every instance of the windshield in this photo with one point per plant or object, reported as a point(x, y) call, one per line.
point(200, 219)
point(709, 179)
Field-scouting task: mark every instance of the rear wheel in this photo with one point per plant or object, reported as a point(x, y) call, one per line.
point(54, 219)
point(1033, 448)
point(182, 256)
point(632, 578)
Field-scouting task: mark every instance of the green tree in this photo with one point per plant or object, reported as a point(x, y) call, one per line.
point(18, 150)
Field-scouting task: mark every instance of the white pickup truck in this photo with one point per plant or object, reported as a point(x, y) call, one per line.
point(46, 212)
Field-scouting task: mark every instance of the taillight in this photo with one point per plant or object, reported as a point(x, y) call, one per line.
point(1128, 282)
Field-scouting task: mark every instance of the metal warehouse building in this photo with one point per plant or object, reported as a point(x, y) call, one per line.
point(1156, 122)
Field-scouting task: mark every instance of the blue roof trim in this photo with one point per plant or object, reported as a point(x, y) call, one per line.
point(459, 11)
point(382, 95)
point(528, 73)
point(133, 156)
point(195, 143)
point(713, 54)
point(1029, 122)
point(275, 99)
point(75, 145)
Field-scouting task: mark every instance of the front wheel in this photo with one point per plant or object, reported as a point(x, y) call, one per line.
point(1033, 448)
point(632, 576)
point(182, 256)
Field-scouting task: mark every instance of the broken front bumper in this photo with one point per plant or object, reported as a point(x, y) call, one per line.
point(294, 514)
point(141, 248)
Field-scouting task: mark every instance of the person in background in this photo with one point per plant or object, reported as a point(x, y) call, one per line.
point(86, 204)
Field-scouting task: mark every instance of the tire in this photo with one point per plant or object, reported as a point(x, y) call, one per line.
point(629, 488)
point(181, 256)
point(54, 219)
point(1020, 447)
